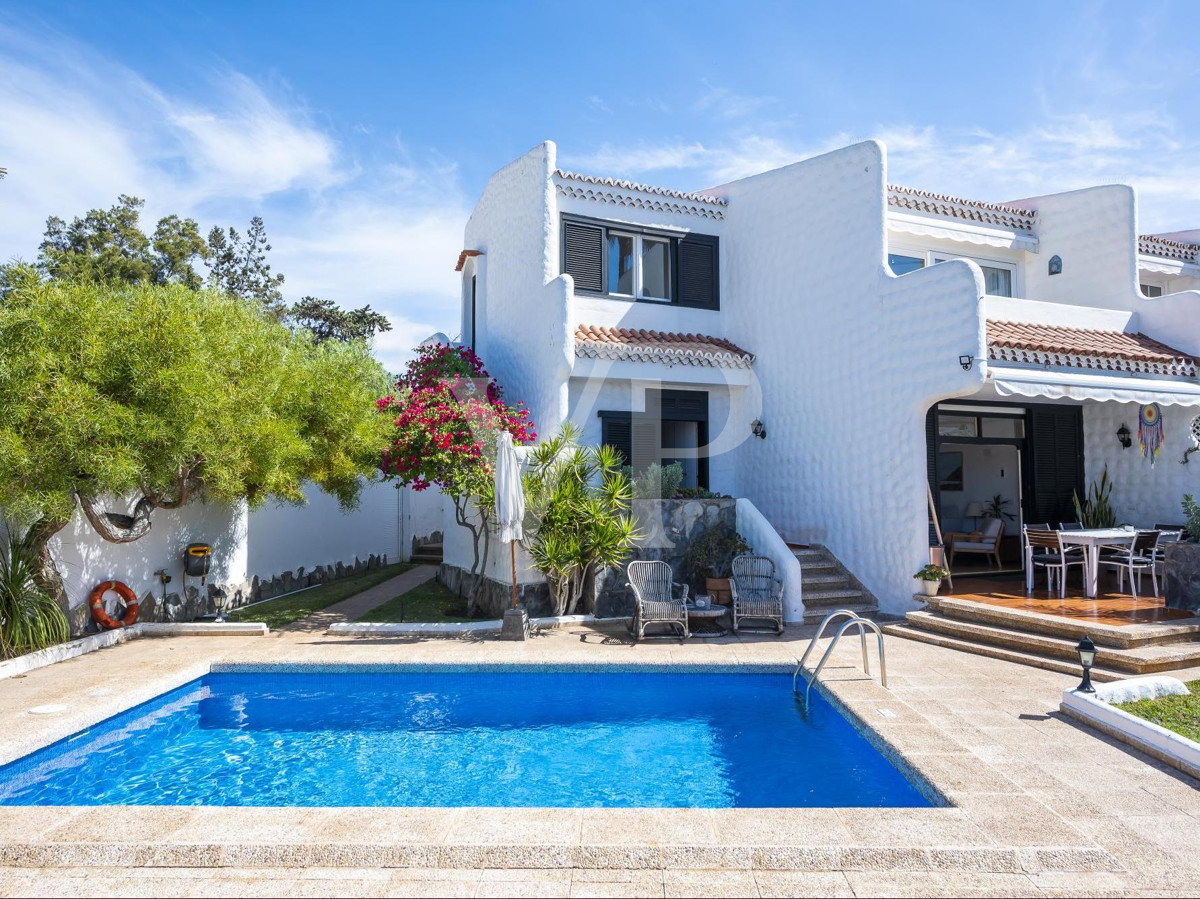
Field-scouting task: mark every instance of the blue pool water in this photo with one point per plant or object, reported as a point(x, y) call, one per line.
point(489, 738)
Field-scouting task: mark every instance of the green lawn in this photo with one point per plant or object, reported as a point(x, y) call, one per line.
point(1178, 713)
point(429, 601)
point(278, 612)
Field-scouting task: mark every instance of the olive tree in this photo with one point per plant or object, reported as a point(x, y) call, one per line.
point(119, 399)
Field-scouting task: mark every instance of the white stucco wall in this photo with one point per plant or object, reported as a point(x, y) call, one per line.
point(422, 512)
point(1142, 495)
point(265, 542)
point(849, 360)
point(524, 336)
point(84, 559)
point(284, 538)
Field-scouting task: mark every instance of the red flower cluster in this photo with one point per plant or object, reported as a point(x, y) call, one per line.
point(448, 413)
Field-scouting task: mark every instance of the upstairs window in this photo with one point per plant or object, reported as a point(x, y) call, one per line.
point(997, 279)
point(1150, 291)
point(641, 265)
point(902, 265)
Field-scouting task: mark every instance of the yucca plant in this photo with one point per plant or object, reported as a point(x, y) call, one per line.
point(577, 514)
point(1096, 511)
point(29, 618)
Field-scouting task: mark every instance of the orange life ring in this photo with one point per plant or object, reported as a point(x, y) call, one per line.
point(101, 617)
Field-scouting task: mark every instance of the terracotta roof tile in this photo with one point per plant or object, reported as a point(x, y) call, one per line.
point(643, 188)
point(463, 256)
point(912, 200)
point(1166, 248)
point(640, 345)
point(1083, 348)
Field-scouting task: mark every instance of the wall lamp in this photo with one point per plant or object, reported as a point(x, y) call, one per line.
point(1054, 266)
point(1125, 437)
point(758, 429)
point(967, 362)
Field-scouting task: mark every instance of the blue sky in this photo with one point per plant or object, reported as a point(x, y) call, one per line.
point(363, 133)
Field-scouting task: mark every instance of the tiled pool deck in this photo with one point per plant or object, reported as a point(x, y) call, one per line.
point(1037, 804)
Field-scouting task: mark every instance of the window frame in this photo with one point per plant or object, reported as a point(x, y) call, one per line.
point(638, 232)
point(933, 257)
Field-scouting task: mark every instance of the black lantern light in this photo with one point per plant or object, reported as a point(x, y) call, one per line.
point(1125, 437)
point(758, 429)
point(966, 362)
point(1054, 266)
point(1087, 658)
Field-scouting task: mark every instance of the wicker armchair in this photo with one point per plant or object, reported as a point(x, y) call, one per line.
point(654, 601)
point(757, 592)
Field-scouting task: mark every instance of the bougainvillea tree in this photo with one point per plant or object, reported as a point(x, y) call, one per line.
point(448, 412)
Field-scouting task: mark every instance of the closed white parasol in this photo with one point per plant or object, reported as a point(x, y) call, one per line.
point(510, 499)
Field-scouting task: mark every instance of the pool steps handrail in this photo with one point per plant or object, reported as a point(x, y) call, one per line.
point(855, 621)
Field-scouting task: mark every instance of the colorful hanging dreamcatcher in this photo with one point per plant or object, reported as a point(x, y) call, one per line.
point(1150, 432)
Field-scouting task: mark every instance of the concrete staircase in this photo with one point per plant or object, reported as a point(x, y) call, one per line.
point(1048, 641)
point(828, 585)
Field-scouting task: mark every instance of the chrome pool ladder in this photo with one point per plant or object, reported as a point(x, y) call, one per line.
point(862, 625)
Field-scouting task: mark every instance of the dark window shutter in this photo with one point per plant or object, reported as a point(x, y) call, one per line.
point(583, 255)
point(1056, 451)
point(646, 441)
point(698, 271)
point(616, 430)
point(931, 454)
point(683, 405)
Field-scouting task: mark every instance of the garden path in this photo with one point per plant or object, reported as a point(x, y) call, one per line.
point(360, 603)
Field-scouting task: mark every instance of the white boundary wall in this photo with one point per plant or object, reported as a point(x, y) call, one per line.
point(266, 542)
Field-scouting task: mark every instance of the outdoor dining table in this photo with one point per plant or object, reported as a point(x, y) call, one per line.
point(1091, 541)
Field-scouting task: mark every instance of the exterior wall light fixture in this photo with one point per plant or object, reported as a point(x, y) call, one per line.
point(967, 362)
point(1054, 267)
point(1125, 437)
point(758, 429)
point(1087, 658)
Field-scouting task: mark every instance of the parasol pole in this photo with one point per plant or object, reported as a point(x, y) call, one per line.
point(512, 545)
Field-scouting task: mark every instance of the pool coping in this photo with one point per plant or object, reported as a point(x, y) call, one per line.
point(984, 822)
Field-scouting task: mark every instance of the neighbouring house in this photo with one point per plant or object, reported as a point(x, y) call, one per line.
point(842, 353)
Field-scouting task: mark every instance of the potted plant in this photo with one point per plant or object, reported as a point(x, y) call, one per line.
point(997, 507)
point(930, 578)
point(710, 556)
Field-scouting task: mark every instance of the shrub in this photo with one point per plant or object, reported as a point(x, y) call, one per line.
point(712, 553)
point(30, 619)
point(658, 481)
point(578, 503)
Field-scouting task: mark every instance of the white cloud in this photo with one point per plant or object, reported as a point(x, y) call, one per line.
point(77, 129)
point(1062, 152)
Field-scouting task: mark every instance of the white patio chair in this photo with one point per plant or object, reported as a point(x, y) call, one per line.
point(985, 541)
point(1140, 557)
point(654, 600)
point(757, 592)
point(1055, 558)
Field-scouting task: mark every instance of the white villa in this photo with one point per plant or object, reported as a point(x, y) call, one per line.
point(842, 352)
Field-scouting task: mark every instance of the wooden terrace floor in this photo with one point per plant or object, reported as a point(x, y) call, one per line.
point(1111, 608)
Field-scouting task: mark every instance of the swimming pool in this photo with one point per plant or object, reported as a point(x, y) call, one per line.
point(485, 737)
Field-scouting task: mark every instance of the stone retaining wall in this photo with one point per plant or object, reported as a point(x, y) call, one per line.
point(195, 601)
point(1182, 576)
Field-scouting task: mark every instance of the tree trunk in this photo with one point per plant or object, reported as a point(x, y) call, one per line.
point(48, 578)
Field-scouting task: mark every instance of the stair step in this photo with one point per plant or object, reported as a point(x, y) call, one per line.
point(849, 594)
point(836, 579)
point(817, 614)
point(909, 632)
point(1141, 660)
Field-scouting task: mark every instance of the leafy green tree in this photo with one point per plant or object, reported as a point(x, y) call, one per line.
point(121, 399)
point(109, 245)
point(578, 502)
point(327, 321)
point(238, 265)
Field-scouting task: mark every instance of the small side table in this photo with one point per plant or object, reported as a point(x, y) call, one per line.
point(708, 618)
